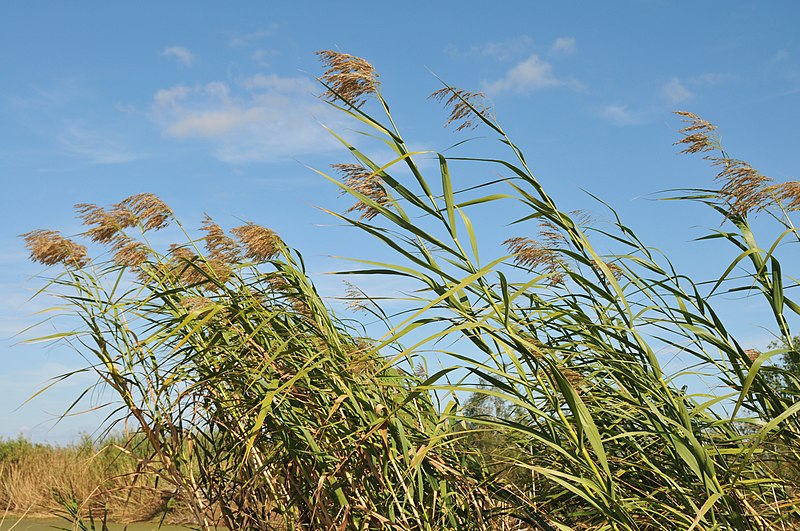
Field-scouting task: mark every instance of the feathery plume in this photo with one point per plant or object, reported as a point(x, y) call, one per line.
point(147, 209)
point(218, 244)
point(104, 226)
point(260, 243)
point(788, 193)
point(192, 304)
point(699, 135)
point(48, 247)
point(529, 253)
point(616, 270)
point(356, 298)
point(129, 252)
point(466, 107)
point(348, 77)
point(752, 354)
point(551, 234)
point(365, 182)
point(744, 188)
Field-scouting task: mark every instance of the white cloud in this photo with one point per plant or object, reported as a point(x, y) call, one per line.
point(95, 147)
point(619, 115)
point(505, 50)
point(779, 56)
point(531, 74)
point(261, 118)
point(181, 54)
point(263, 57)
point(710, 78)
point(676, 92)
point(246, 39)
point(563, 46)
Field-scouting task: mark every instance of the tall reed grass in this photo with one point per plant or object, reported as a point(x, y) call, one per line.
point(36, 478)
point(267, 411)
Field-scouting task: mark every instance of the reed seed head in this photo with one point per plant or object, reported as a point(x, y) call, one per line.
point(574, 378)
point(466, 108)
point(744, 188)
point(787, 193)
point(348, 77)
point(356, 299)
point(365, 182)
point(129, 252)
point(218, 244)
point(530, 254)
point(148, 210)
point(550, 234)
point(752, 354)
point(104, 225)
point(260, 243)
point(48, 247)
point(699, 135)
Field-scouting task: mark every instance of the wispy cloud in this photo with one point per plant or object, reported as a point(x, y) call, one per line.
point(98, 148)
point(504, 50)
point(563, 46)
point(709, 79)
point(675, 92)
point(180, 54)
point(620, 115)
point(531, 74)
point(258, 119)
point(264, 57)
point(247, 39)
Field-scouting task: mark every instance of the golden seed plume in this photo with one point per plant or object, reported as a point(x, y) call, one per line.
point(529, 253)
point(365, 182)
point(180, 253)
point(788, 193)
point(129, 252)
point(699, 135)
point(194, 270)
point(356, 298)
point(574, 378)
point(192, 304)
point(148, 210)
point(616, 270)
point(551, 234)
point(48, 247)
point(260, 243)
point(752, 354)
point(744, 188)
point(218, 244)
point(348, 77)
point(466, 107)
point(104, 226)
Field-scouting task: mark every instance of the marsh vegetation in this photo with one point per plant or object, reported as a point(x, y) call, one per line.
point(263, 408)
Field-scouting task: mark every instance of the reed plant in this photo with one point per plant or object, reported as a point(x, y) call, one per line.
point(567, 336)
point(36, 478)
point(261, 408)
point(265, 410)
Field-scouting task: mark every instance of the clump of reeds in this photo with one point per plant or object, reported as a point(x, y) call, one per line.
point(261, 407)
point(593, 431)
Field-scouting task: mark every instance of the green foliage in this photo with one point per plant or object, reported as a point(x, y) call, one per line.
point(569, 336)
point(264, 410)
point(12, 450)
point(260, 407)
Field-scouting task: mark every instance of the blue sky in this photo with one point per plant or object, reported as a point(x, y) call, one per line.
point(213, 108)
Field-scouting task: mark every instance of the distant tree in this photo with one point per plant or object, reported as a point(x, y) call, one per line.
point(785, 375)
